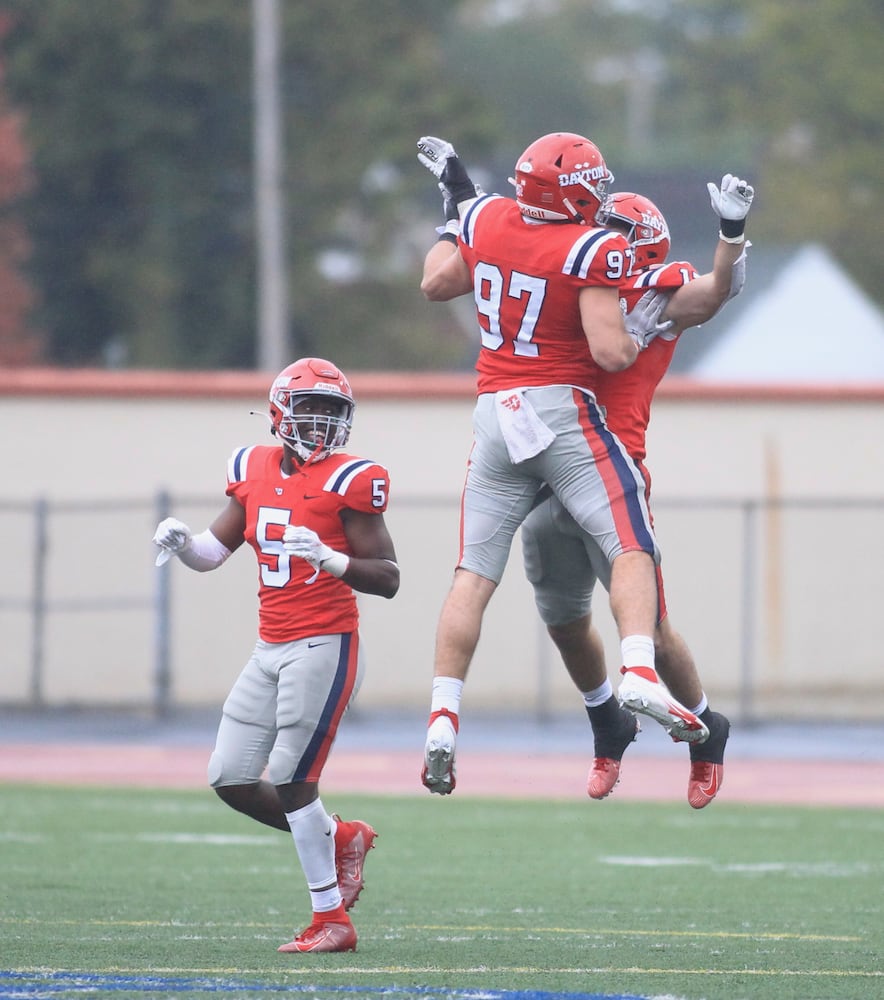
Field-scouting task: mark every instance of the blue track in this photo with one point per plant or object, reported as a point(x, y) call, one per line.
point(33, 985)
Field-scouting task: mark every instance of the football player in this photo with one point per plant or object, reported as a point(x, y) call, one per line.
point(563, 562)
point(314, 516)
point(545, 281)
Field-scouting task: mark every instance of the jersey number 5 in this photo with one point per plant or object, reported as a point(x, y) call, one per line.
point(277, 575)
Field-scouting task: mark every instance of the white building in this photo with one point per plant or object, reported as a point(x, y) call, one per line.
point(809, 324)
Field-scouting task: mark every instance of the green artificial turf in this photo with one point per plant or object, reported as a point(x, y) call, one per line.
point(168, 893)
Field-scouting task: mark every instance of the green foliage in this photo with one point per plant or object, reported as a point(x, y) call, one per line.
point(139, 118)
point(461, 894)
point(820, 160)
point(788, 94)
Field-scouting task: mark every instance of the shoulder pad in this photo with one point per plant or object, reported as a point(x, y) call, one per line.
point(237, 464)
point(339, 481)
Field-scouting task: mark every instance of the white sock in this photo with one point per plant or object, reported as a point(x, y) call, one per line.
point(598, 696)
point(637, 651)
point(702, 706)
point(447, 693)
point(313, 831)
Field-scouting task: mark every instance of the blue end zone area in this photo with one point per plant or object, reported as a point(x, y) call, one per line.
point(79, 984)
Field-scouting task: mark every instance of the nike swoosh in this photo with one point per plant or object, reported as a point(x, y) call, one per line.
point(313, 645)
point(311, 496)
point(711, 789)
point(328, 832)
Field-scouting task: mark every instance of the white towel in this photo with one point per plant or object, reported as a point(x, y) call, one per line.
point(525, 434)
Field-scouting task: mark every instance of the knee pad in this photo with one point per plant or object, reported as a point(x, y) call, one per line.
point(281, 766)
point(215, 771)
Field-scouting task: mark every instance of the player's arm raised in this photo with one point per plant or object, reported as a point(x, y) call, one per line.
point(446, 275)
point(699, 300)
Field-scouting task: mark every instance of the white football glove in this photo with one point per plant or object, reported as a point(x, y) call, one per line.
point(434, 154)
point(172, 536)
point(734, 199)
point(304, 543)
point(731, 204)
point(441, 159)
point(643, 321)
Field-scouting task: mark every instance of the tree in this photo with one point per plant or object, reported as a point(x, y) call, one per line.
point(140, 117)
point(19, 344)
point(820, 156)
point(141, 151)
point(138, 114)
point(788, 93)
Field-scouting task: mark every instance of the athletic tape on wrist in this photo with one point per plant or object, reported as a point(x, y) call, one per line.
point(731, 228)
point(336, 564)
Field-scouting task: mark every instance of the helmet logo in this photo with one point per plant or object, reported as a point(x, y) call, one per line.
point(584, 172)
point(325, 387)
point(653, 222)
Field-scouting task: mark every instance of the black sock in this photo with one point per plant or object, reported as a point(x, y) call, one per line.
point(605, 715)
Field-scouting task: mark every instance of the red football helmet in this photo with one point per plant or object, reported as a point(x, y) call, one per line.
point(646, 229)
point(312, 435)
point(561, 177)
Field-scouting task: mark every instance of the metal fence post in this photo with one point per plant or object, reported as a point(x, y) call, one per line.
point(748, 626)
point(38, 598)
point(162, 672)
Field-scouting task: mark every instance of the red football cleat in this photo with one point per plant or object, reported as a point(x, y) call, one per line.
point(323, 937)
point(603, 776)
point(707, 762)
point(704, 783)
point(610, 742)
point(353, 841)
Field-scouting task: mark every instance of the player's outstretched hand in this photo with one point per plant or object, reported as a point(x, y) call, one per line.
point(441, 159)
point(433, 153)
point(172, 536)
point(733, 200)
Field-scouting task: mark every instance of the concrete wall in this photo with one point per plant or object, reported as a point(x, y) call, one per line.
point(769, 507)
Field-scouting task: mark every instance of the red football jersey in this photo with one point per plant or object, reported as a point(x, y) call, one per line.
point(527, 277)
point(626, 395)
point(314, 496)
